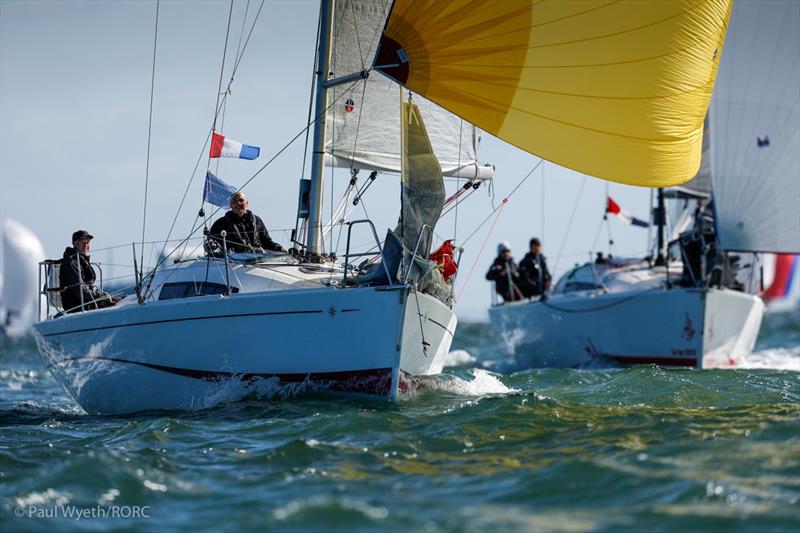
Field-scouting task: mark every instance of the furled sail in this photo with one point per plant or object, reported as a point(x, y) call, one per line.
point(755, 118)
point(616, 90)
point(363, 129)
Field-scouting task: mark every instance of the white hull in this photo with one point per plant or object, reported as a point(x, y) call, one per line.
point(191, 353)
point(703, 328)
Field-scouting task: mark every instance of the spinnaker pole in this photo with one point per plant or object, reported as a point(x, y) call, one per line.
point(313, 239)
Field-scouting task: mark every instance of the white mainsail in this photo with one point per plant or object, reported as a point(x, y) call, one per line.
point(363, 126)
point(755, 120)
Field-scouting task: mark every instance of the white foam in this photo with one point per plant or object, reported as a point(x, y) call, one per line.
point(483, 382)
point(459, 358)
point(774, 358)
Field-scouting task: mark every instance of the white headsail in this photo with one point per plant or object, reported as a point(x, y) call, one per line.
point(22, 252)
point(755, 121)
point(363, 127)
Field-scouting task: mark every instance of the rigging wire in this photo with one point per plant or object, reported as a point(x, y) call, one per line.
point(222, 69)
point(569, 225)
point(203, 149)
point(149, 137)
point(249, 180)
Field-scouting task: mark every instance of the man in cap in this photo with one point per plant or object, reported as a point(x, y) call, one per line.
point(535, 278)
point(505, 274)
point(77, 277)
point(245, 232)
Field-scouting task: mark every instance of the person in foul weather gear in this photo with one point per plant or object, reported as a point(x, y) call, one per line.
point(535, 278)
point(76, 277)
point(505, 274)
point(245, 232)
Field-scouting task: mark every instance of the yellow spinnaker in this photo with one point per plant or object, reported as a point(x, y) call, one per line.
point(617, 89)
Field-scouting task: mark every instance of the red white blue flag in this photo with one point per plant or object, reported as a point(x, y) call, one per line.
point(614, 208)
point(222, 146)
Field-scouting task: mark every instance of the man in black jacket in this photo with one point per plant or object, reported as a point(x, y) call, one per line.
point(505, 275)
point(77, 277)
point(245, 232)
point(535, 278)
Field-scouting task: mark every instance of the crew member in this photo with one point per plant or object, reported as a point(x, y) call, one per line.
point(245, 232)
point(535, 278)
point(505, 274)
point(77, 277)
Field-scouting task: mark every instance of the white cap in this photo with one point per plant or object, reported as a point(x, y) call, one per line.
point(502, 247)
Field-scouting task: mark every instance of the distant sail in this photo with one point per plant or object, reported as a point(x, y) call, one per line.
point(617, 90)
point(363, 127)
point(755, 118)
point(22, 252)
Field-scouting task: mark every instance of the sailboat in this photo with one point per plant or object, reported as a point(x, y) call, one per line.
point(696, 301)
point(327, 324)
point(22, 252)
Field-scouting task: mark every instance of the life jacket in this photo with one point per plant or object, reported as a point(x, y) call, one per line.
point(444, 258)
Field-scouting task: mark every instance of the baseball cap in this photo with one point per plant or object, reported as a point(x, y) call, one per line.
point(81, 234)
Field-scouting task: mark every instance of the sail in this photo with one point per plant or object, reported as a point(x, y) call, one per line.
point(755, 117)
point(363, 128)
point(423, 188)
point(700, 185)
point(22, 252)
point(616, 90)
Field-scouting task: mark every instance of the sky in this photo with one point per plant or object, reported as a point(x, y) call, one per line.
point(74, 103)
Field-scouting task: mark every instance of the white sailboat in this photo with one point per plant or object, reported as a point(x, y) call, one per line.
point(22, 252)
point(327, 325)
point(699, 306)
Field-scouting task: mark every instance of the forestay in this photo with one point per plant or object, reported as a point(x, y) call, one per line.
point(617, 90)
point(363, 126)
point(755, 120)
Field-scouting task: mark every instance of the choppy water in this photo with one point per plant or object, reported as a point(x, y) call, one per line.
point(485, 447)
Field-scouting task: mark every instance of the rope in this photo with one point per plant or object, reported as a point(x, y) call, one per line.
point(499, 211)
point(149, 135)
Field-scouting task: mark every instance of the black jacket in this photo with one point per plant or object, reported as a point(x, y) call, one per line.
point(534, 275)
point(498, 273)
point(244, 234)
point(76, 276)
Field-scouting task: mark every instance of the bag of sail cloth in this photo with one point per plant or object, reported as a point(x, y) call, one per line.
point(424, 273)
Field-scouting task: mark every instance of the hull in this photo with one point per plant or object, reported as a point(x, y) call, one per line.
point(703, 328)
point(193, 353)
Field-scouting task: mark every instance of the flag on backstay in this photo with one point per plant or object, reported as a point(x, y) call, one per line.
point(216, 191)
point(222, 146)
point(614, 208)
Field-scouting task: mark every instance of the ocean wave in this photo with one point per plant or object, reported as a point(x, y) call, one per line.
point(774, 358)
point(482, 383)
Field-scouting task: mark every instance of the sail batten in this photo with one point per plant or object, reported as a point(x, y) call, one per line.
point(617, 90)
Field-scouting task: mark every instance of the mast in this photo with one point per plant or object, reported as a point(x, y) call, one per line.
point(661, 220)
point(320, 107)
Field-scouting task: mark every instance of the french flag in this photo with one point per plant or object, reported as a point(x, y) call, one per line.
point(221, 146)
point(614, 208)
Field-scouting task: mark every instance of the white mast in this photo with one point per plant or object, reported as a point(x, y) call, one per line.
point(313, 240)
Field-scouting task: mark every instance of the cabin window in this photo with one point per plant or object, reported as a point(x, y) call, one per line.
point(187, 289)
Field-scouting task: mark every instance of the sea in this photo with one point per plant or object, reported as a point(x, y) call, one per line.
point(487, 446)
